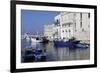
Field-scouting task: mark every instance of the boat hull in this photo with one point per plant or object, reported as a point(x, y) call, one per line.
point(35, 41)
point(70, 44)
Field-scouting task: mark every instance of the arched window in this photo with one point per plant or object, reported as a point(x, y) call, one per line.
point(88, 15)
point(69, 30)
point(80, 20)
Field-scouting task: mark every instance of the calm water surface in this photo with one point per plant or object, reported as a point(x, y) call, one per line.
point(56, 54)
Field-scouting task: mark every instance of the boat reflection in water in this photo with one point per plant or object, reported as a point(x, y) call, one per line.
point(43, 52)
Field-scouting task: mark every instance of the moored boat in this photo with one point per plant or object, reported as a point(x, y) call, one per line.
point(70, 43)
point(45, 40)
point(34, 55)
point(35, 40)
point(81, 45)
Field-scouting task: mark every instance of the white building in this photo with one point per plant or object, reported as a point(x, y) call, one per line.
point(48, 31)
point(71, 24)
point(82, 26)
point(64, 25)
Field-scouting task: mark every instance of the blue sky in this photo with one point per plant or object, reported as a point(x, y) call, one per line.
point(33, 21)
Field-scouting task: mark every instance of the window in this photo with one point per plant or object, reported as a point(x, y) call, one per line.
point(69, 30)
point(88, 15)
point(83, 30)
point(75, 26)
point(88, 25)
point(81, 20)
point(66, 30)
point(64, 25)
point(81, 15)
point(81, 24)
point(57, 22)
point(69, 24)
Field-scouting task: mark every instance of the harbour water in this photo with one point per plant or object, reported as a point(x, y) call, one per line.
point(54, 53)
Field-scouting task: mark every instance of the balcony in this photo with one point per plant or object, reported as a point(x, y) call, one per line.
point(57, 23)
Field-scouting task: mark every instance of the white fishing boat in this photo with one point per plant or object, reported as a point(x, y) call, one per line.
point(35, 40)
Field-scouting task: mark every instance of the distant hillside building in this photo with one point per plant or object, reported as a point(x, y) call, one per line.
point(48, 31)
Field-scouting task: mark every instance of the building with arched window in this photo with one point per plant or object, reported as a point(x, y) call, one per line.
point(72, 24)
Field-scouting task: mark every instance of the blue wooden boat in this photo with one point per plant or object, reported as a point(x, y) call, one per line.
point(81, 45)
point(34, 55)
point(60, 43)
point(65, 43)
point(70, 44)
